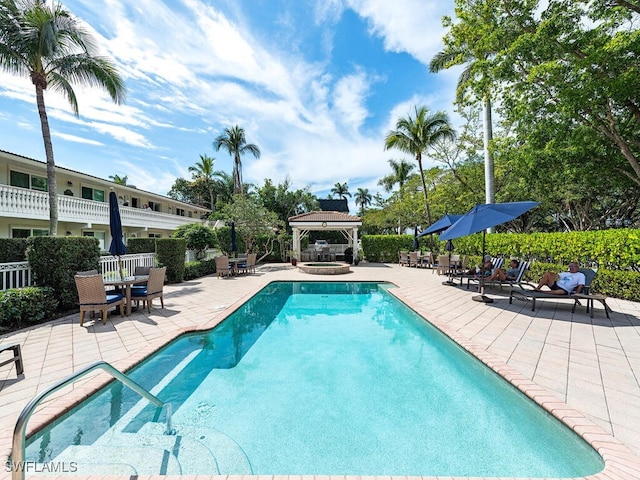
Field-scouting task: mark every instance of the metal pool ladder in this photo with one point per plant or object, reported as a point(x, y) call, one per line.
point(18, 447)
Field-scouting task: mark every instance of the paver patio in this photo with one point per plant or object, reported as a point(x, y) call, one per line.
point(588, 365)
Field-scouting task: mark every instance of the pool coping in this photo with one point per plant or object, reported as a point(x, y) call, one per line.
point(620, 462)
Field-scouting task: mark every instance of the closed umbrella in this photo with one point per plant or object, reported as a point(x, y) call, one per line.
point(415, 239)
point(449, 248)
point(481, 217)
point(117, 246)
point(233, 238)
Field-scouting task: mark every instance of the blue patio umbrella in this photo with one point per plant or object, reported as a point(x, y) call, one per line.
point(233, 237)
point(440, 225)
point(481, 217)
point(117, 246)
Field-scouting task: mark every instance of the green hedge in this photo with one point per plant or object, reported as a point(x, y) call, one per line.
point(55, 260)
point(23, 306)
point(199, 269)
point(141, 245)
point(170, 253)
point(13, 250)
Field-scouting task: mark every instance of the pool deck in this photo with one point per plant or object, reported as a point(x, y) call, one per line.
point(583, 370)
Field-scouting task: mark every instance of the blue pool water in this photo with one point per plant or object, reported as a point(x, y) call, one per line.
point(318, 378)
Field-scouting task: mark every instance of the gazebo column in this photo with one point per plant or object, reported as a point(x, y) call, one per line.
point(296, 242)
point(356, 252)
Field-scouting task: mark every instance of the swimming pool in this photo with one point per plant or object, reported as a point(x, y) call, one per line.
point(318, 378)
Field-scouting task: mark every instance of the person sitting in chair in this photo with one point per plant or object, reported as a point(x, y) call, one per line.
point(563, 283)
point(486, 268)
point(510, 274)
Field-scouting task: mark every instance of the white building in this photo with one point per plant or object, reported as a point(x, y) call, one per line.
point(83, 204)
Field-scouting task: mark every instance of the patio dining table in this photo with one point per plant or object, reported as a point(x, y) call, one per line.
point(126, 283)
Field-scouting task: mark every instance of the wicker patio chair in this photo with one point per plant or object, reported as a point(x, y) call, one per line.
point(92, 296)
point(152, 290)
point(222, 266)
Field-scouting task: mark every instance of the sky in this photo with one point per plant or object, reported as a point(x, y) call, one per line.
point(316, 85)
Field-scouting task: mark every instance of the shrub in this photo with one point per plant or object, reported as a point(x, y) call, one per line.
point(198, 237)
point(199, 269)
point(170, 253)
point(22, 306)
point(141, 245)
point(13, 250)
point(55, 260)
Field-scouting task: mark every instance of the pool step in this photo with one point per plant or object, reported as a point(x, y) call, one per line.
point(193, 450)
point(118, 460)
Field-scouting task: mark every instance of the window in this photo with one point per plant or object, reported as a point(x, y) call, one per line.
point(28, 232)
point(24, 180)
point(92, 194)
point(180, 211)
point(156, 207)
point(99, 235)
point(135, 203)
point(155, 235)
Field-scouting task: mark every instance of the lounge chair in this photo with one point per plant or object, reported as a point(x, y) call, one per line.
point(526, 292)
point(496, 262)
point(522, 269)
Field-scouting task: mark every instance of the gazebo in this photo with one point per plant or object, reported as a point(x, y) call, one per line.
point(325, 220)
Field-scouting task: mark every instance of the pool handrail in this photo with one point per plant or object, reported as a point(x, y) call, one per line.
point(18, 447)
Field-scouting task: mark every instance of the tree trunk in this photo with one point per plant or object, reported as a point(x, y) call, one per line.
point(51, 165)
point(424, 189)
point(489, 187)
point(237, 174)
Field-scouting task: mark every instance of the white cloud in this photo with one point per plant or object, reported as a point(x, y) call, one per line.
point(412, 26)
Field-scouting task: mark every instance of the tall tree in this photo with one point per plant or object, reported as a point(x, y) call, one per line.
point(460, 48)
point(363, 198)
point(416, 135)
point(119, 180)
point(401, 171)
point(204, 172)
point(234, 141)
point(341, 190)
point(46, 43)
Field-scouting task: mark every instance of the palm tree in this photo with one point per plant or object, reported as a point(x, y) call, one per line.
point(51, 47)
point(401, 173)
point(456, 55)
point(119, 180)
point(341, 190)
point(416, 136)
point(203, 171)
point(235, 142)
point(363, 198)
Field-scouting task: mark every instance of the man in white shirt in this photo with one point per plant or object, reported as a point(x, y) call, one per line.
point(563, 283)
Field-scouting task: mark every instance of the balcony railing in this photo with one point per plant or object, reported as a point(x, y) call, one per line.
point(31, 204)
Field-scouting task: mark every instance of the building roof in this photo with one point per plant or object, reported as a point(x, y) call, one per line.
point(334, 205)
point(338, 217)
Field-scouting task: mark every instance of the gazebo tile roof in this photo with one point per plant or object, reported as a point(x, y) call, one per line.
point(322, 216)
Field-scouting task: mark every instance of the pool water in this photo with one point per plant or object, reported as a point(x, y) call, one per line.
point(318, 378)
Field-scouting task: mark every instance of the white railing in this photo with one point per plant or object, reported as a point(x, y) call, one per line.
point(24, 203)
point(110, 265)
point(18, 274)
point(15, 275)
